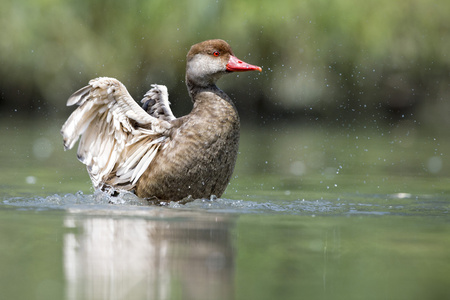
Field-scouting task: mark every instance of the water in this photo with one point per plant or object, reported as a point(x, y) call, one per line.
point(312, 213)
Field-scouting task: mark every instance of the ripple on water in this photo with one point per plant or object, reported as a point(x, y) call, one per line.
point(366, 205)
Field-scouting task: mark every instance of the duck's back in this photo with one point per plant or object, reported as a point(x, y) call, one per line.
point(199, 158)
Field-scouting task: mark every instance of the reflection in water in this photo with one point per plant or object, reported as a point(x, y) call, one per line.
point(159, 256)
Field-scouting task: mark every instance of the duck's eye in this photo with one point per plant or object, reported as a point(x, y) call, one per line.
point(216, 53)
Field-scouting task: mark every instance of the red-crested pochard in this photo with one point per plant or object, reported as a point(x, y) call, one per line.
point(148, 150)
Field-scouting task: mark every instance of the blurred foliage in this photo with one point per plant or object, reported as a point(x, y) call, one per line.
point(341, 61)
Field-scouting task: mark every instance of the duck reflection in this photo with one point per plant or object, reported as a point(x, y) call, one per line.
point(161, 254)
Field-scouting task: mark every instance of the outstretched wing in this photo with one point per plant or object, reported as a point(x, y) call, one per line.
point(156, 103)
point(118, 138)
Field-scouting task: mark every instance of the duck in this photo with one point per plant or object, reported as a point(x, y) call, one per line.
point(146, 149)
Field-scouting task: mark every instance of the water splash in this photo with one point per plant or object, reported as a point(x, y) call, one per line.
point(128, 203)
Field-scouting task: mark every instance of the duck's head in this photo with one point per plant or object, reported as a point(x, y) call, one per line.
point(209, 60)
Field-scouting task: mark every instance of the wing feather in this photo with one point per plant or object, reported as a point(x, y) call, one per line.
point(119, 139)
point(144, 163)
point(156, 103)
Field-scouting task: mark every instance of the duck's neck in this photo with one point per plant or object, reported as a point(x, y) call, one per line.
point(196, 89)
point(210, 97)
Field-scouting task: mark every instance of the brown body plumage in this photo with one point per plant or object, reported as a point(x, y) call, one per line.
point(151, 152)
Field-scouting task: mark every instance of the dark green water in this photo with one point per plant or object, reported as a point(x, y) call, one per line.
point(312, 213)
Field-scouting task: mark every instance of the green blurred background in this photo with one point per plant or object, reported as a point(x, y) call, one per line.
point(343, 62)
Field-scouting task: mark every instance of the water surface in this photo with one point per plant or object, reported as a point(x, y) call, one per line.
point(312, 213)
